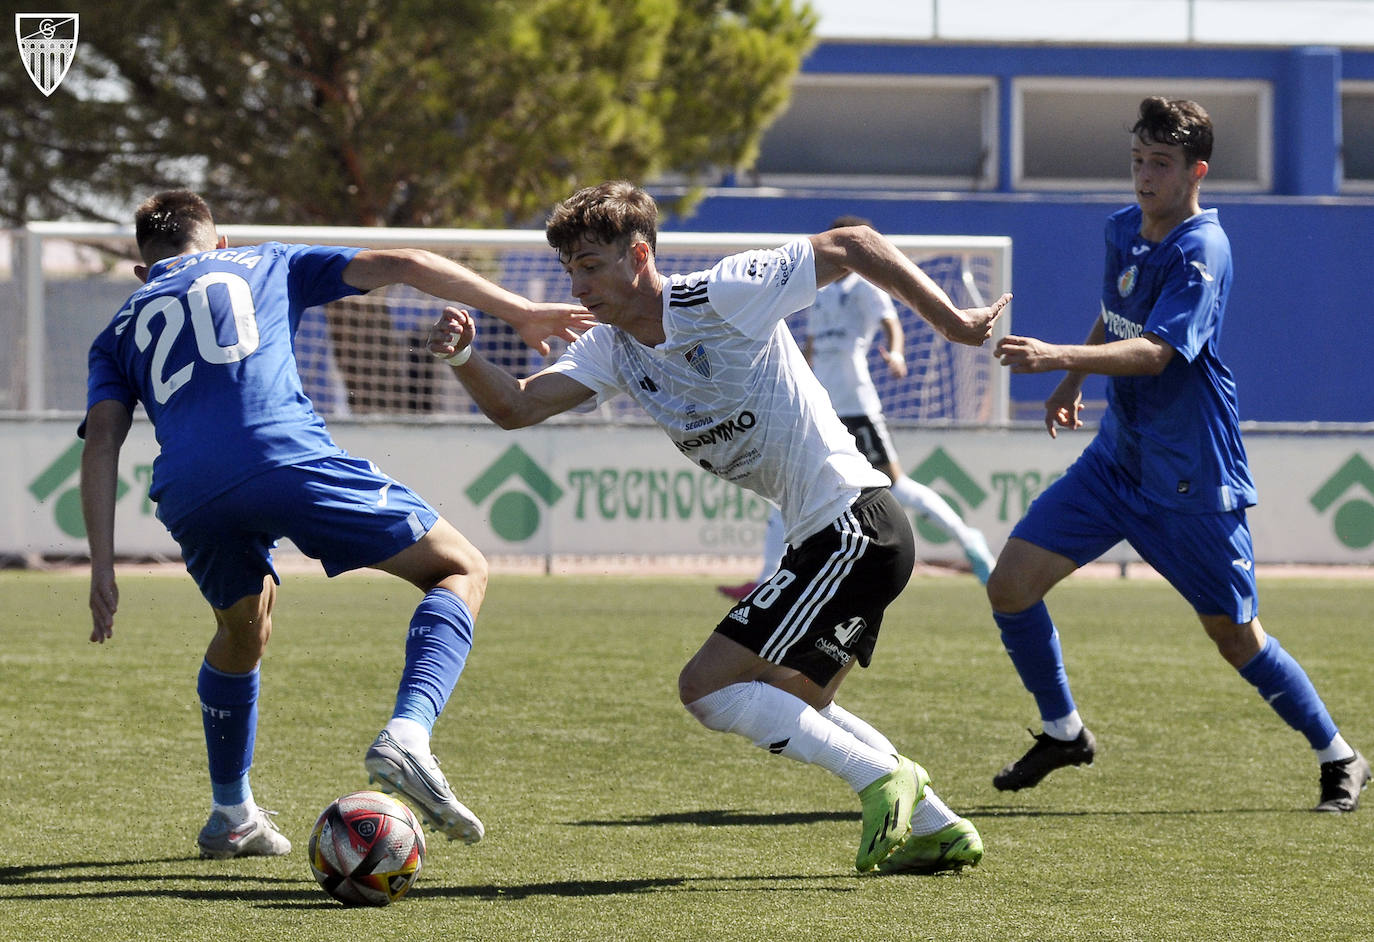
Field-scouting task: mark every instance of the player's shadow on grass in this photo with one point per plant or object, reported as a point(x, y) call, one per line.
point(1008, 811)
point(132, 879)
point(722, 817)
point(834, 883)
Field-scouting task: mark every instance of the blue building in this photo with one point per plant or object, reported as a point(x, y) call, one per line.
point(1031, 140)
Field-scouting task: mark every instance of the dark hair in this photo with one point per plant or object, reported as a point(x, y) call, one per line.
point(170, 223)
point(615, 212)
point(844, 222)
point(1176, 121)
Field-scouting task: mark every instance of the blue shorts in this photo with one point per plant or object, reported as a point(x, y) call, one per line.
point(342, 511)
point(1208, 558)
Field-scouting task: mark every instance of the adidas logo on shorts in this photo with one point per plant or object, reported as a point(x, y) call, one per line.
point(741, 615)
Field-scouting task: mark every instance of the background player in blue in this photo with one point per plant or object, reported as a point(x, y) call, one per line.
point(708, 357)
point(206, 346)
point(1167, 469)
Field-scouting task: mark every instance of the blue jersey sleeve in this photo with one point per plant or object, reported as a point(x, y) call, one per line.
point(315, 276)
point(1186, 315)
point(104, 379)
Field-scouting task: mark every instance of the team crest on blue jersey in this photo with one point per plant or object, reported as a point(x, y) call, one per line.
point(697, 360)
point(1126, 283)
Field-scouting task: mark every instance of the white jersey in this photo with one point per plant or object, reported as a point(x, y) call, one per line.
point(731, 388)
point(841, 324)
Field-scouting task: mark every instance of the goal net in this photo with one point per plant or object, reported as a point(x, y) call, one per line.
point(366, 356)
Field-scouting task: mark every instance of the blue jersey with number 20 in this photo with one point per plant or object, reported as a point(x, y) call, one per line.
point(207, 346)
point(1175, 436)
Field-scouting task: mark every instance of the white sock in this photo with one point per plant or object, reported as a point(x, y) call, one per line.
point(1337, 750)
point(921, 500)
point(865, 733)
point(773, 545)
point(775, 720)
point(931, 814)
point(409, 733)
point(239, 813)
point(1066, 728)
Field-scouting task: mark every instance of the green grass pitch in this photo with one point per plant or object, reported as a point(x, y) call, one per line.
point(612, 816)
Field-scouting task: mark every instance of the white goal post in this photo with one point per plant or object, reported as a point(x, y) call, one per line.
point(365, 356)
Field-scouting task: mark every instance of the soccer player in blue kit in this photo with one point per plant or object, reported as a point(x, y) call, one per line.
point(207, 346)
point(1167, 469)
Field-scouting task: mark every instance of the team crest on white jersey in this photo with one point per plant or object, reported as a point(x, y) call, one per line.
point(1125, 284)
point(697, 360)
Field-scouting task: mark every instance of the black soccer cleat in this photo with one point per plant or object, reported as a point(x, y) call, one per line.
point(1342, 783)
point(1044, 757)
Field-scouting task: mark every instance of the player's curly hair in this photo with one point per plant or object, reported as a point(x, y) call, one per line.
point(170, 222)
point(1176, 121)
point(612, 213)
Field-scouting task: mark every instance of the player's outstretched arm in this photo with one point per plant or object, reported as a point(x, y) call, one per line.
point(444, 278)
point(1146, 355)
point(861, 249)
point(107, 425)
point(508, 401)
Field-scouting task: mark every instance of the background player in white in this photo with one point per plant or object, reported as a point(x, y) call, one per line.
point(1167, 470)
point(840, 327)
point(244, 459)
point(709, 358)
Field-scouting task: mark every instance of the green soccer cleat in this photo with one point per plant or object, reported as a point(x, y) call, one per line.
point(950, 848)
point(887, 806)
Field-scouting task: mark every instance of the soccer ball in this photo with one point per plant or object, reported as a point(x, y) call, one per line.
point(366, 849)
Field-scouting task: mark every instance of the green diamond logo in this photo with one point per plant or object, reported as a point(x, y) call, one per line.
point(67, 507)
point(1353, 520)
point(515, 514)
point(942, 474)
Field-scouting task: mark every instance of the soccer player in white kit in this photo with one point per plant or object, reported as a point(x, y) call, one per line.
point(709, 358)
point(840, 328)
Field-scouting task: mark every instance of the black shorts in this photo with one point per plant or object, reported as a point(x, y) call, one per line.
point(872, 439)
point(824, 605)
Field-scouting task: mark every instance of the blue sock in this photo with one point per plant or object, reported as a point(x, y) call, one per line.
point(1285, 686)
point(436, 650)
point(229, 710)
point(1032, 642)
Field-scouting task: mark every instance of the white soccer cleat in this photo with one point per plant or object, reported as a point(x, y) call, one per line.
point(256, 837)
point(397, 769)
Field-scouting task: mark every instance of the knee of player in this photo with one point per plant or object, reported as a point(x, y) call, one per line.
point(1237, 643)
point(1004, 592)
point(474, 573)
point(478, 570)
point(692, 687)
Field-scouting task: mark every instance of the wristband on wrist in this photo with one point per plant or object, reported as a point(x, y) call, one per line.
point(459, 358)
